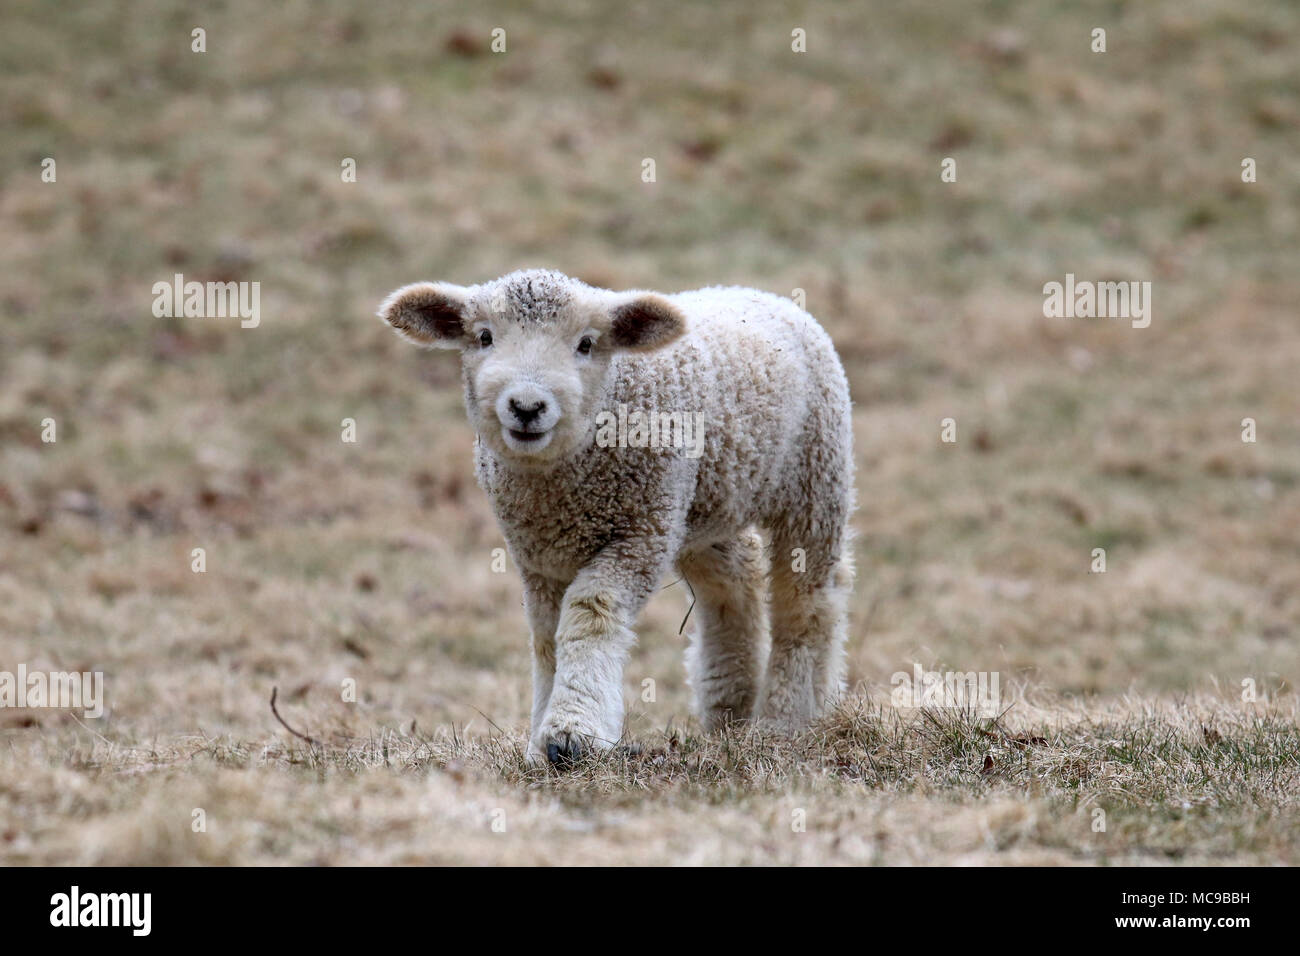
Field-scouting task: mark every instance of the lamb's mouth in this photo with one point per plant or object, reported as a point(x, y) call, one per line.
point(526, 442)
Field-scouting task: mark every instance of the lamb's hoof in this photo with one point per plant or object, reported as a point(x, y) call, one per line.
point(564, 755)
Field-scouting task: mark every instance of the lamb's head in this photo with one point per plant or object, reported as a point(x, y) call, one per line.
point(536, 348)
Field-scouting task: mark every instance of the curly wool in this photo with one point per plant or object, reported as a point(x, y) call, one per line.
point(774, 400)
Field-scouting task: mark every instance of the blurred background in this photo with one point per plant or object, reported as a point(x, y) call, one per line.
point(817, 171)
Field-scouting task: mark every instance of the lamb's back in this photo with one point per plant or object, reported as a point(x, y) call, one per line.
point(751, 363)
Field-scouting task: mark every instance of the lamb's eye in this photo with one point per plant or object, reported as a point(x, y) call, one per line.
point(584, 347)
point(485, 338)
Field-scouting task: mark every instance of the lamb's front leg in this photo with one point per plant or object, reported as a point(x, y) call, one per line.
point(542, 598)
point(592, 641)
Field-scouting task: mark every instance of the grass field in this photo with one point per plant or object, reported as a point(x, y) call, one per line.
point(371, 561)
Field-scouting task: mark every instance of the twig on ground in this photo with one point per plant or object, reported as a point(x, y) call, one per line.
point(285, 724)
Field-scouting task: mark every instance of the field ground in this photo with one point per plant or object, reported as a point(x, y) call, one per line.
point(372, 561)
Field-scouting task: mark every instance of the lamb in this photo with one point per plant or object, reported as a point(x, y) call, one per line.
point(594, 519)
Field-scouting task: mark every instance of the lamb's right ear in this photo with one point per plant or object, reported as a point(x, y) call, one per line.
point(429, 314)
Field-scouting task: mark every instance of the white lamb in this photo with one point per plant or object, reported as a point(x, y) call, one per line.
point(594, 522)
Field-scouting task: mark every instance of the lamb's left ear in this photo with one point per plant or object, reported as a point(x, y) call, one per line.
point(645, 321)
point(430, 314)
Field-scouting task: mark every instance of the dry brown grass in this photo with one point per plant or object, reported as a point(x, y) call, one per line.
point(372, 562)
point(1135, 783)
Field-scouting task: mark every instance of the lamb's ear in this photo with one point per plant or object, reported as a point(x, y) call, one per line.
point(645, 321)
point(429, 314)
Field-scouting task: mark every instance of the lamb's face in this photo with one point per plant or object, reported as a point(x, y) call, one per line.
point(532, 384)
point(535, 349)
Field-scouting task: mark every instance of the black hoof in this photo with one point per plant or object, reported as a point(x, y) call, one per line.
point(563, 755)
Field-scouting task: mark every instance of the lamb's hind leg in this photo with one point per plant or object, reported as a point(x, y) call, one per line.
point(809, 603)
point(724, 663)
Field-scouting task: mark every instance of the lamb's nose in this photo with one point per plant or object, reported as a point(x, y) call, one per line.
point(527, 413)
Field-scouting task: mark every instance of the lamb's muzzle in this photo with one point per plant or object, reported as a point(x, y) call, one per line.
point(527, 415)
